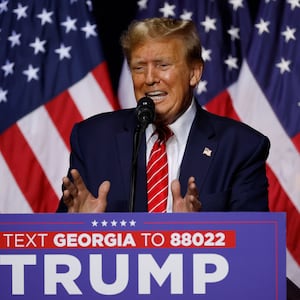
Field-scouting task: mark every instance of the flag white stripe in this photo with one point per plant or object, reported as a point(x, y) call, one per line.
point(89, 97)
point(293, 270)
point(254, 109)
point(11, 197)
point(125, 89)
point(47, 145)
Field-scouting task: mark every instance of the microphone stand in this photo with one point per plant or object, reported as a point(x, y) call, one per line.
point(140, 129)
point(145, 113)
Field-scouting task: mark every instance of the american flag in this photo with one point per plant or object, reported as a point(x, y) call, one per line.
point(251, 74)
point(52, 74)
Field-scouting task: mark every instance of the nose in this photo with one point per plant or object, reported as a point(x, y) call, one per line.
point(151, 76)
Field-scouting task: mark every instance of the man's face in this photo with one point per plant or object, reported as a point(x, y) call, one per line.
point(160, 71)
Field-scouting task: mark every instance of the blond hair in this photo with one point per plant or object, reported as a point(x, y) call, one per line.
point(162, 28)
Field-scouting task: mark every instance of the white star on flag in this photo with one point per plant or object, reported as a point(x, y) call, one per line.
point(45, 16)
point(14, 39)
point(262, 26)
point(283, 65)
point(69, 24)
point(8, 68)
point(38, 45)
point(3, 94)
point(20, 11)
point(167, 10)
point(89, 29)
point(31, 73)
point(209, 24)
point(289, 33)
point(63, 51)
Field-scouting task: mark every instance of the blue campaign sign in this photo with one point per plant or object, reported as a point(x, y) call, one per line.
point(143, 256)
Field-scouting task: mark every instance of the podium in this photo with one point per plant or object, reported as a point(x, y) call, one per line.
point(118, 256)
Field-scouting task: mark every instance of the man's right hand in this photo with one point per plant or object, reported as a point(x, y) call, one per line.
point(78, 198)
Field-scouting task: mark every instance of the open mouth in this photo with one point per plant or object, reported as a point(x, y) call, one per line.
point(157, 95)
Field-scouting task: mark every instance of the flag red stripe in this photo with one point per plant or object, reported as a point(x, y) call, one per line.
point(296, 141)
point(278, 199)
point(101, 75)
point(27, 171)
point(222, 105)
point(64, 113)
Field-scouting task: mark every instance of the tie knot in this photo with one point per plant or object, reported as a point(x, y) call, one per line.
point(164, 133)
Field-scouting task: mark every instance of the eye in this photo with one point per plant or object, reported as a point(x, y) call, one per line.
point(137, 69)
point(163, 65)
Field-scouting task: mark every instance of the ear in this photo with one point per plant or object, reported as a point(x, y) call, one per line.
point(196, 73)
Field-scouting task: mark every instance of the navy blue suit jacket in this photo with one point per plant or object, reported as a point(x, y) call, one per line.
point(231, 178)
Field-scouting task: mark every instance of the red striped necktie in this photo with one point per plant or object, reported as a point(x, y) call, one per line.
point(157, 172)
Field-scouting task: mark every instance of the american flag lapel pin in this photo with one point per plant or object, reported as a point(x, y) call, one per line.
point(207, 152)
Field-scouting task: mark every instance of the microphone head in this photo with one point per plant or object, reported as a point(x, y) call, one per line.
point(145, 111)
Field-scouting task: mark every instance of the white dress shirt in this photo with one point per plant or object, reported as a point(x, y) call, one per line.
point(175, 145)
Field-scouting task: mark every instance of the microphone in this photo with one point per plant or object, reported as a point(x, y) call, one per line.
point(145, 111)
point(145, 114)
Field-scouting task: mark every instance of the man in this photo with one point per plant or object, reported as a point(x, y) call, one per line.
point(220, 162)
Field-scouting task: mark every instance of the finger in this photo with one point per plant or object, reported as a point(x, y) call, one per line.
point(176, 190)
point(178, 201)
point(70, 187)
point(193, 195)
point(77, 179)
point(192, 187)
point(195, 203)
point(102, 195)
point(103, 190)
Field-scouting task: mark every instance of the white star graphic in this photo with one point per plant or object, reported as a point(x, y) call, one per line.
point(69, 24)
point(3, 94)
point(289, 33)
point(8, 68)
point(206, 54)
point(104, 223)
point(123, 223)
point(14, 38)
point(262, 26)
point(31, 73)
point(3, 6)
point(294, 3)
point(38, 45)
point(186, 15)
point(113, 223)
point(89, 29)
point(234, 33)
point(142, 4)
point(167, 10)
point(209, 24)
point(236, 4)
point(20, 11)
point(89, 4)
point(231, 62)
point(63, 51)
point(94, 223)
point(201, 88)
point(132, 223)
point(283, 65)
point(45, 16)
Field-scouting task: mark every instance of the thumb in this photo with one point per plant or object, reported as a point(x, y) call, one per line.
point(103, 190)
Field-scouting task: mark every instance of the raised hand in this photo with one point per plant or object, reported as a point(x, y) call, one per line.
point(78, 198)
point(190, 202)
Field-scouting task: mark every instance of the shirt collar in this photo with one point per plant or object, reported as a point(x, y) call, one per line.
point(181, 127)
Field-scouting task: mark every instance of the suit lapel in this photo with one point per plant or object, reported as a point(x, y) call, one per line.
point(200, 150)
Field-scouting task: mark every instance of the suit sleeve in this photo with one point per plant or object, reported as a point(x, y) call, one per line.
point(250, 184)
